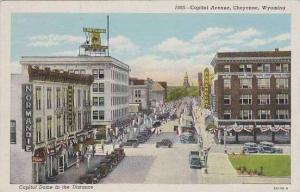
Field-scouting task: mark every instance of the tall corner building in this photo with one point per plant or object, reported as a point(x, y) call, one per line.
point(109, 91)
point(252, 92)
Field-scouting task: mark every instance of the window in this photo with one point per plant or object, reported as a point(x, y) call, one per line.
point(263, 99)
point(38, 125)
point(282, 99)
point(95, 115)
point(282, 68)
point(95, 101)
point(79, 121)
point(245, 114)
point(101, 87)
point(58, 98)
point(246, 83)
point(49, 127)
point(76, 71)
point(227, 114)
point(282, 114)
point(227, 83)
point(38, 92)
point(246, 99)
point(282, 83)
point(263, 83)
point(13, 132)
point(226, 68)
point(227, 99)
point(95, 87)
point(59, 133)
point(245, 68)
point(82, 71)
point(49, 98)
point(137, 93)
point(101, 101)
point(101, 73)
point(263, 67)
point(95, 73)
point(78, 98)
point(101, 115)
point(84, 98)
point(263, 114)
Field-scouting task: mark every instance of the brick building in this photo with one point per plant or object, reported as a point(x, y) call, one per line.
point(252, 92)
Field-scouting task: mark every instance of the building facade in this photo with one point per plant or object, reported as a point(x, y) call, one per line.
point(140, 92)
point(157, 95)
point(108, 93)
point(252, 93)
point(54, 128)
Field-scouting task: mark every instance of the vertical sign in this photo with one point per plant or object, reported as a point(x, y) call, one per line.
point(206, 91)
point(70, 107)
point(27, 98)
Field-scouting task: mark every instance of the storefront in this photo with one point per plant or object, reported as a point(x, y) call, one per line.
point(51, 160)
point(39, 165)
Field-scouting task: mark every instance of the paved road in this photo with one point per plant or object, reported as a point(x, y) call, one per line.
point(148, 164)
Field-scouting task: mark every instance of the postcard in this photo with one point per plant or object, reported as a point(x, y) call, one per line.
point(150, 95)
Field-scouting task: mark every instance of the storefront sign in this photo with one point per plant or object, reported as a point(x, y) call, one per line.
point(70, 107)
point(27, 97)
point(206, 90)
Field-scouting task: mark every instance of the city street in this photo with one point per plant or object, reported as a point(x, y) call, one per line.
point(148, 164)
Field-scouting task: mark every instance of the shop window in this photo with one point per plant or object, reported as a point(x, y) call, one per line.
point(13, 132)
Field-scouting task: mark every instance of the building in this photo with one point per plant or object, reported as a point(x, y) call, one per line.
point(109, 91)
point(253, 95)
point(186, 83)
point(200, 83)
point(164, 84)
point(50, 123)
point(140, 92)
point(157, 95)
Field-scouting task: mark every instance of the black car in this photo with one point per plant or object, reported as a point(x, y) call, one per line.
point(156, 124)
point(130, 142)
point(165, 142)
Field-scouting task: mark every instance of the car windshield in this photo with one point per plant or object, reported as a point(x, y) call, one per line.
point(195, 161)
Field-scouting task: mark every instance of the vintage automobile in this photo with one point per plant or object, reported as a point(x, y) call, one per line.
point(156, 124)
point(120, 153)
point(130, 142)
point(165, 142)
point(96, 173)
point(88, 179)
point(250, 148)
point(104, 169)
point(194, 160)
point(268, 147)
point(187, 137)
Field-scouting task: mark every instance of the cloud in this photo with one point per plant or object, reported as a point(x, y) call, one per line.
point(54, 40)
point(261, 42)
point(122, 44)
point(169, 69)
point(211, 33)
point(15, 67)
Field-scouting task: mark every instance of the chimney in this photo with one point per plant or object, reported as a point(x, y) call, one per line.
point(276, 49)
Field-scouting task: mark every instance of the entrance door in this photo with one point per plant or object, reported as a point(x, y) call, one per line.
point(61, 164)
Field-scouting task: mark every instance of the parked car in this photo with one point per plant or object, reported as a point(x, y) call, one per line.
point(156, 124)
point(194, 160)
point(187, 137)
point(120, 153)
point(165, 142)
point(268, 147)
point(250, 148)
point(88, 179)
point(130, 142)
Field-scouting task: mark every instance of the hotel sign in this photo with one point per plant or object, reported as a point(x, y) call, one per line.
point(70, 107)
point(206, 91)
point(27, 102)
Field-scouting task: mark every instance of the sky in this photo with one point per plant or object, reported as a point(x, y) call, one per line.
point(159, 46)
